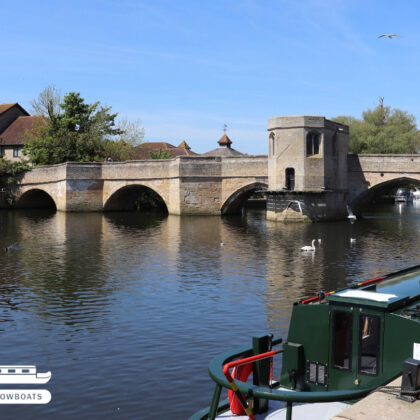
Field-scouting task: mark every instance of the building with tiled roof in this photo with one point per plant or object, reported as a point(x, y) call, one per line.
point(14, 123)
point(224, 149)
point(144, 150)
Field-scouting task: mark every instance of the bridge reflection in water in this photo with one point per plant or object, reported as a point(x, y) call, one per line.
point(121, 306)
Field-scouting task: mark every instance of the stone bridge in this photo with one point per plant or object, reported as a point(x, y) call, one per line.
point(184, 185)
point(193, 185)
point(372, 175)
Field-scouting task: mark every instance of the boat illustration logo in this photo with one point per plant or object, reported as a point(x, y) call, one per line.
point(23, 375)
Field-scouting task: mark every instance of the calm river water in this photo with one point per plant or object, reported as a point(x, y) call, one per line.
point(126, 310)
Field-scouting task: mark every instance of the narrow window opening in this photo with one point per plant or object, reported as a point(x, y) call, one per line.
point(369, 344)
point(342, 339)
point(290, 179)
point(334, 145)
point(272, 145)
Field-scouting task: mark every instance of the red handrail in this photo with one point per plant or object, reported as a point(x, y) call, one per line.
point(363, 283)
point(232, 383)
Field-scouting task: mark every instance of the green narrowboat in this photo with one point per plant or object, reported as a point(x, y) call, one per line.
point(341, 346)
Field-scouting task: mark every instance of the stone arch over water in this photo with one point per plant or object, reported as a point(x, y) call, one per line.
point(363, 199)
point(136, 197)
point(236, 201)
point(35, 198)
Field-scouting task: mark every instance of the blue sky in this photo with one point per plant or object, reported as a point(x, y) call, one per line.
point(185, 68)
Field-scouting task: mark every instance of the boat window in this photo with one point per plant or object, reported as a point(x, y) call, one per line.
point(342, 339)
point(25, 370)
point(369, 344)
point(11, 371)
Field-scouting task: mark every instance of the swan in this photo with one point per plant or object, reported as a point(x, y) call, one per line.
point(309, 247)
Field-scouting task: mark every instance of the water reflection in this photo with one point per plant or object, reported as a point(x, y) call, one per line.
point(155, 297)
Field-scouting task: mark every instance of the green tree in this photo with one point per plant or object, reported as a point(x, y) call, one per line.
point(10, 172)
point(161, 154)
point(382, 130)
point(77, 131)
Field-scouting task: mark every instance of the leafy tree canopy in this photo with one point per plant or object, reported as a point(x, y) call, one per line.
point(382, 130)
point(78, 132)
point(161, 154)
point(10, 172)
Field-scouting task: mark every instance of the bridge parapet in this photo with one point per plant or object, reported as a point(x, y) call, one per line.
point(384, 163)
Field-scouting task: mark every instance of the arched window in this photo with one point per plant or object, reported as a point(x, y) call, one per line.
point(312, 144)
point(272, 136)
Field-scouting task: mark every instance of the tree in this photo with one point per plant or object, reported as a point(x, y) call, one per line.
point(382, 130)
point(10, 173)
point(161, 154)
point(77, 131)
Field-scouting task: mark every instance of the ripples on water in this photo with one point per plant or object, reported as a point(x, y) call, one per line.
point(126, 310)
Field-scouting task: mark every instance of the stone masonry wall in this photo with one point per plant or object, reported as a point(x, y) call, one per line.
point(366, 171)
point(188, 185)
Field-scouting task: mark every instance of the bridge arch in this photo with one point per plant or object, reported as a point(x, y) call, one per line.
point(236, 201)
point(135, 197)
point(35, 198)
point(363, 199)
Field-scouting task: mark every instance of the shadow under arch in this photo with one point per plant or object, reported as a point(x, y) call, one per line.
point(35, 199)
point(236, 201)
point(136, 198)
point(363, 199)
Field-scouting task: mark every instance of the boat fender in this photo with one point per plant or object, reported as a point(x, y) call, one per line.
point(241, 373)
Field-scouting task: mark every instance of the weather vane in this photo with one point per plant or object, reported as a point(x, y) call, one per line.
point(224, 128)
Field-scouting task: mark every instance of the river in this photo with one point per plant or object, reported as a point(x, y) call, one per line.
point(127, 309)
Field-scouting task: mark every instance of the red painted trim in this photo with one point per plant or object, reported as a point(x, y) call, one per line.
point(370, 281)
point(363, 283)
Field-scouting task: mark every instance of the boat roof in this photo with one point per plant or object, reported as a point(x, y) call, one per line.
point(17, 367)
point(391, 293)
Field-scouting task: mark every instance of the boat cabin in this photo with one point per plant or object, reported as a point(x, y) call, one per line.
point(17, 370)
point(355, 337)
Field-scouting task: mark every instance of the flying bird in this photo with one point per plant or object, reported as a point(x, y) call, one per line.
point(390, 36)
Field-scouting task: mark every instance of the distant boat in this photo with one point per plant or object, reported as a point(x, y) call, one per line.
point(351, 215)
point(22, 375)
point(403, 195)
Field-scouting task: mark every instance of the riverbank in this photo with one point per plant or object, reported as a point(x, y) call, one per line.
point(382, 405)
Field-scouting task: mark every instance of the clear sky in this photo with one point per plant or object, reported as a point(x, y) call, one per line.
point(187, 67)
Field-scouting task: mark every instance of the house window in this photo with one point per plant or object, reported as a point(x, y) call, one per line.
point(369, 344)
point(17, 151)
point(312, 144)
point(342, 339)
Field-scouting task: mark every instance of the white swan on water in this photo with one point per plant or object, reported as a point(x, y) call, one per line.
point(309, 247)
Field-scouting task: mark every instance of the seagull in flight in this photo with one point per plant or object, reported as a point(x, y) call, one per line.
point(390, 36)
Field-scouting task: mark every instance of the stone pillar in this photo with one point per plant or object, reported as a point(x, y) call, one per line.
point(84, 187)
